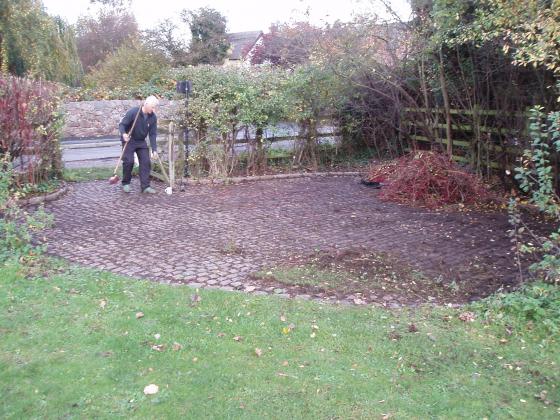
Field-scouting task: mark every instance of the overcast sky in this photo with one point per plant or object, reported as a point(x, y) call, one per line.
point(242, 15)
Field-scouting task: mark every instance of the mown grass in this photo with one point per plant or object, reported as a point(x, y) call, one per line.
point(87, 174)
point(71, 346)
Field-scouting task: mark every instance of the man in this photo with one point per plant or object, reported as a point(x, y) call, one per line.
point(135, 142)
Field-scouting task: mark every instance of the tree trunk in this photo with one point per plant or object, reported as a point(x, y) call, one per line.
point(261, 156)
point(446, 105)
point(429, 123)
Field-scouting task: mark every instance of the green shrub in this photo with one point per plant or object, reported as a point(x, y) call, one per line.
point(537, 302)
point(17, 226)
point(536, 179)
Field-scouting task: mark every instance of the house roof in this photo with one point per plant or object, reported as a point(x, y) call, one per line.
point(242, 42)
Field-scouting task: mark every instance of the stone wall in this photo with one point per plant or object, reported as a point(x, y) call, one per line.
point(94, 119)
point(101, 118)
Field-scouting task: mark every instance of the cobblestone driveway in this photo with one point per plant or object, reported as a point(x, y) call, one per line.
point(215, 236)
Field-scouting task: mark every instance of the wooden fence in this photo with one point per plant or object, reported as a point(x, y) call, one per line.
point(281, 138)
point(486, 140)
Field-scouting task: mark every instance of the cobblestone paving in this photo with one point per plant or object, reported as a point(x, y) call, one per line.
point(216, 236)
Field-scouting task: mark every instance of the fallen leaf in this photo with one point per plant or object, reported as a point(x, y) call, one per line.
point(394, 336)
point(412, 328)
point(177, 346)
point(151, 389)
point(221, 334)
point(102, 303)
point(139, 315)
point(467, 317)
point(283, 318)
point(285, 363)
point(286, 375)
point(238, 338)
point(195, 298)
point(195, 359)
point(542, 396)
point(258, 352)
point(158, 347)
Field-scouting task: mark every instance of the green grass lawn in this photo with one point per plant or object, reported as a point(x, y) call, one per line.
point(88, 174)
point(71, 346)
point(92, 174)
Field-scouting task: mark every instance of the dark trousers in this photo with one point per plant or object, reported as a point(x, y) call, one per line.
point(141, 149)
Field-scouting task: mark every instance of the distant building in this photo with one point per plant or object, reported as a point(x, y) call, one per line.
point(242, 45)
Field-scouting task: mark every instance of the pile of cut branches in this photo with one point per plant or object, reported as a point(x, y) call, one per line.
point(428, 179)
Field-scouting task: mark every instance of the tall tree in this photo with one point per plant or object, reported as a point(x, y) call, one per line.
point(209, 44)
point(529, 30)
point(165, 39)
point(286, 45)
point(103, 34)
point(35, 44)
point(116, 4)
point(131, 65)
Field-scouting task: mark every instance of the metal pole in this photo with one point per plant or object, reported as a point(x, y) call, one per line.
point(186, 141)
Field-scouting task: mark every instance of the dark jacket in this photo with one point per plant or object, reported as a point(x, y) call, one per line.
point(145, 125)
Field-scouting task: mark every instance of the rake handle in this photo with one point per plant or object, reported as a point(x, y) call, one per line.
point(163, 169)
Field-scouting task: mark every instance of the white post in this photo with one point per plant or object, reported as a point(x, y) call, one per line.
point(171, 154)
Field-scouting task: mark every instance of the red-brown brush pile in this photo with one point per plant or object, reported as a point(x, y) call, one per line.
point(428, 179)
point(381, 172)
